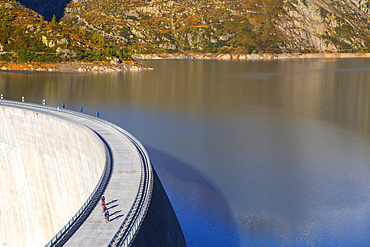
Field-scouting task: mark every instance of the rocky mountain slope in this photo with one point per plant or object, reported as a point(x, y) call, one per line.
point(327, 25)
point(244, 26)
point(199, 26)
point(26, 36)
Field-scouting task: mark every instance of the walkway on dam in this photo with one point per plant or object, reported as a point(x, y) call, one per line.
point(122, 190)
point(120, 193)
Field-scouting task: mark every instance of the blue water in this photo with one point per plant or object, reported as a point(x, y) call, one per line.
point(251, 153)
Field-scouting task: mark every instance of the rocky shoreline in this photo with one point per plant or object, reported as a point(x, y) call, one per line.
point(209, 56)
point(74, 66)
point(99, 66)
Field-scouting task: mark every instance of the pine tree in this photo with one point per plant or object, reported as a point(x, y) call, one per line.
point(53, 20)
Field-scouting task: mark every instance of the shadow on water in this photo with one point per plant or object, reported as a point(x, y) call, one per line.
point(47, 8)
point(201, 208)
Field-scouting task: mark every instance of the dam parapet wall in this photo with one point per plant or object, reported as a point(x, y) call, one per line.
point(48, 169)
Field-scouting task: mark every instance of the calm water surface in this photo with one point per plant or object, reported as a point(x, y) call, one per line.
point(253, 153)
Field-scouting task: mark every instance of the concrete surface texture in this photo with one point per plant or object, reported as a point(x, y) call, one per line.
point(48, 168)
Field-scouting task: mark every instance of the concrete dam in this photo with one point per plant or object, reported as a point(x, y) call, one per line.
point(55, 164)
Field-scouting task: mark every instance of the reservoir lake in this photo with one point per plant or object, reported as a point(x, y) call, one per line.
point(250, 153)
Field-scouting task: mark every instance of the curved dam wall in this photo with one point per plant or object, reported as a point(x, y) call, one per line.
point(51, 162)
point(160, 226)
point(48, 168)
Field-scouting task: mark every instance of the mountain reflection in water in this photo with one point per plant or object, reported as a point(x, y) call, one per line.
point(251, 153)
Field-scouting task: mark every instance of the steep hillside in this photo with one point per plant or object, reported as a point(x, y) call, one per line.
point(244, 26)
point(98, 29)
point(172, 26)
point(26, 36)
point(327, 25)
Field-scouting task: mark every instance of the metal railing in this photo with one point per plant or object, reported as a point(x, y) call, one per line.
point(131, 225)
point(134, 218)
point(77, 220)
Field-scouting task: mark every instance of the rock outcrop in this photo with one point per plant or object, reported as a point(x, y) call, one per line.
point(74, 66)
